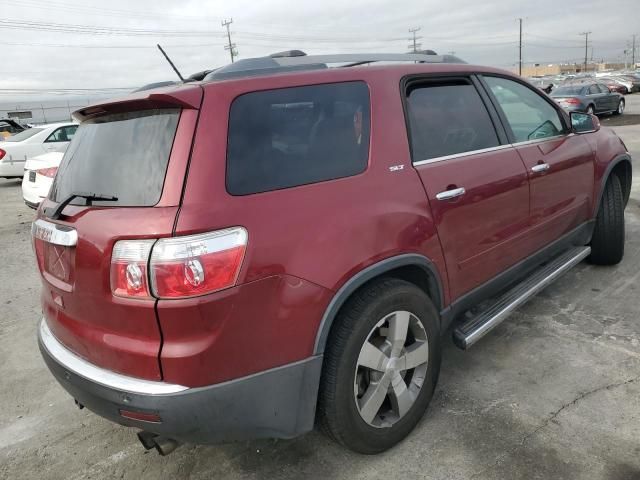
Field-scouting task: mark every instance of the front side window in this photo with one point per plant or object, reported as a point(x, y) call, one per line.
point(529, 115)
point(295, 136)
point(448, 119)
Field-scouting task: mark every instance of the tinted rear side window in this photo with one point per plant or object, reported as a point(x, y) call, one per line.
point(124, 155)
point(448, 119)
point(295, 136)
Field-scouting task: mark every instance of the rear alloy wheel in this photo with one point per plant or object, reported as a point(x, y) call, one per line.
point(381, 366)
point(590, 110)
point(620, 109)
point(391, 368)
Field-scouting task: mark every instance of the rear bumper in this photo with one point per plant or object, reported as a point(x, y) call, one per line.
point(278, 403)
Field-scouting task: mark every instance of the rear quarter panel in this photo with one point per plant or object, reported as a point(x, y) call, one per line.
point(317, 235)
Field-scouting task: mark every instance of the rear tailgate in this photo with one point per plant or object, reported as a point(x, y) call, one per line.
point(138, 151)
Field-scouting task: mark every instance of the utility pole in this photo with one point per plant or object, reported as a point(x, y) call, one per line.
point(633, 53)
point(520, 50)
point(230, 46)
point(586, 49)
point(414, 39)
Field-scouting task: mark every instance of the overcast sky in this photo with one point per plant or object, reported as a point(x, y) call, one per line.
point(74, 44)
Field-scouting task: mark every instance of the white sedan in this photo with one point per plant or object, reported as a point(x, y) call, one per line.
point(19, 148)
point(39, 173)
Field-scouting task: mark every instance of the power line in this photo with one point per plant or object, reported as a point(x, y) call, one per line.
point(230, 46)
point(414, 38)
point(586, 48)
point(520, 49)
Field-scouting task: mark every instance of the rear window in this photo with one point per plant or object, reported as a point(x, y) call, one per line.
point(123, 155)
point(295, 136)
point(19, 137)
point(569, 90)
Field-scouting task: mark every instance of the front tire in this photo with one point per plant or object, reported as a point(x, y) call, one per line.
point(607, 243)
point(620, 109)
point(381, 366)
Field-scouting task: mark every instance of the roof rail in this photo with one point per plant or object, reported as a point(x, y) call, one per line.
point(362, 58)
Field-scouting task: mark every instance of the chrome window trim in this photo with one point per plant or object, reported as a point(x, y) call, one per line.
point(107, 378)
point(54, 233)
point(540, 140)
point(490, 149)
point(462, 154)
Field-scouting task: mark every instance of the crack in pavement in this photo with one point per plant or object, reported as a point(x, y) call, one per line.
point(552, 417)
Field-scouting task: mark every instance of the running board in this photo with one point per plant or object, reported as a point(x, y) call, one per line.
point(476, 327)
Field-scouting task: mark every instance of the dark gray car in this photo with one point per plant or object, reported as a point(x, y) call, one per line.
point(589, 97)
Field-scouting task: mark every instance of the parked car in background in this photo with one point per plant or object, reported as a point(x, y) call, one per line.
point(9, 127)
point(594, 98)
point(17, 149)
point(217, 261)
point(544, 84)
point(614, 85)
point(632, 80)
point(39, 173)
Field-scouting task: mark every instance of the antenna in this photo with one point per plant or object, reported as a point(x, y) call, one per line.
point(171, 63)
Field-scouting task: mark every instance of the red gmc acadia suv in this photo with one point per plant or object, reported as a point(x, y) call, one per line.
point(283, 243)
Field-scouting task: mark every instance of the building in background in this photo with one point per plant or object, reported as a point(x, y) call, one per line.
point(539, 70)
point(45, 110)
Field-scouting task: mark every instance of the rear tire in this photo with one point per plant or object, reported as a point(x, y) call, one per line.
point(591, 110)
point(607, 243)
point(620, 109)
point(368, 322)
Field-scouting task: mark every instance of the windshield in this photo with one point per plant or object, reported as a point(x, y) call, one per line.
point(123, 155)
point(568, 90)
point(19, 137)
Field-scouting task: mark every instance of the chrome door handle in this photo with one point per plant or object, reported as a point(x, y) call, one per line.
point(541, 167)
point(448, 194)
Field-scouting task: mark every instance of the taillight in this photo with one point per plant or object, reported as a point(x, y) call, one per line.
point(572, 101)
point(48, 172)
point(178, 267)
point(129, 274)
point(197, 264)
point(2, 153)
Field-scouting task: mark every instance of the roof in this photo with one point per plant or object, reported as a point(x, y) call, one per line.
point(296, 60)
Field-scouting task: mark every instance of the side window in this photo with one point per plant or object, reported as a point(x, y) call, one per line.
point(71, 131)
point(529, 115)
point(63, 134)
point(603, 88)
point(295, 136)
point(594, 90)
point(447, 119)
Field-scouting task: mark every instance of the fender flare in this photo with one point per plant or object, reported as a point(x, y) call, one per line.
point(368, 273)
point(623, 157)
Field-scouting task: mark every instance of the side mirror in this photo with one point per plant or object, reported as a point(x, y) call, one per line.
point(584, 122)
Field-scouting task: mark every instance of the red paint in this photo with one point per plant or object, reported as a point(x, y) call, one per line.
point(306, 242)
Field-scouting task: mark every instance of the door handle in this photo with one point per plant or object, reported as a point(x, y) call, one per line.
point(449, 194)
point(541, 167)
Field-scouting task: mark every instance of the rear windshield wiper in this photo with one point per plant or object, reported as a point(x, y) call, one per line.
point(54, 213)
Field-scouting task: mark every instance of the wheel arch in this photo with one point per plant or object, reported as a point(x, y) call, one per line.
point(620, 166)
point(414, 268)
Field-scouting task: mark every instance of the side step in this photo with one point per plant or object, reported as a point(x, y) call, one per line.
point(476, 327)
